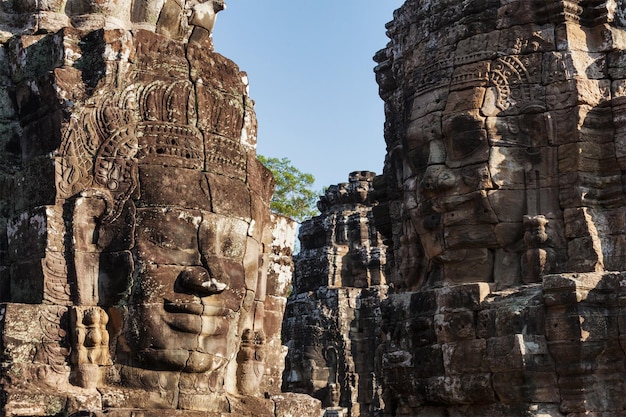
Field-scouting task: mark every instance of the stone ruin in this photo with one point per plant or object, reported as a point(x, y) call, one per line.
point(503, 206)
point(333, 313)
point(482, 274)
point(141, 271)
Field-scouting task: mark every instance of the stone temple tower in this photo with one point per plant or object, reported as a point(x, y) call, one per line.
point(504, 208)
point(332, 321)
point(138, 247)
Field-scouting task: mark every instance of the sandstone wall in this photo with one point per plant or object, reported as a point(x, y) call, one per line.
point(502, 203)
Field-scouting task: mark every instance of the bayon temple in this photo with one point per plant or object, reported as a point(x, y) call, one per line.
point(481, 274)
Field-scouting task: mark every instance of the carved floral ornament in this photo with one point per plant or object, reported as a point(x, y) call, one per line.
point(507, 75)
point(510, 78)
point(142, 122)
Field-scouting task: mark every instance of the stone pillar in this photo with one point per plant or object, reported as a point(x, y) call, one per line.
point(331, 324)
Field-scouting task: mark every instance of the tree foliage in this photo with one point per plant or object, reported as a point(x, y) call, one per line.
point(294, 196)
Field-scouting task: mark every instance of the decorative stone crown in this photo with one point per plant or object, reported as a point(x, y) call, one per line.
point(356, 191)
point(166, 130)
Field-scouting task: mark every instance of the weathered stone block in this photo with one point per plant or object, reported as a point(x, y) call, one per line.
point(478, 261)
point(423, 302)
point(22, 403)
point(429, 361)
point(465, 357)
point(127, 398)
point(33, 233)
point(456, 326)
point(564, 290)
point(27, 327)
point(564, 325)
point(185, 188)
point(587, 157)
point(486, 324)
point(33, 144)
point(38, 55)
point(429, 102)
point(168, 235)
point(421, 331)
point(518, 386)
point(85, 400)
point(280, 271)
point(519, 352)
point(568, 122)
point(34, 185)
point(461, 389)
point(461, 297)
point(510, 321)
point(292, 405)
point(28, 282)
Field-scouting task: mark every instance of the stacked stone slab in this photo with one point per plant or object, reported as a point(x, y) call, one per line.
point(332, 320)
point(502, 203)
point(142, 272)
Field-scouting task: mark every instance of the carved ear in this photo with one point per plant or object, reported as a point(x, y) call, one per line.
point(261, 179)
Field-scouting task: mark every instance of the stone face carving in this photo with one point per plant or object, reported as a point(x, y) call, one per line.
point(332, 316)
point(141, 270)
point(502, 203)
point(509, 118)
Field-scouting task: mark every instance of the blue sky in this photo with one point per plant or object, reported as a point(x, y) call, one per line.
point(311, 76)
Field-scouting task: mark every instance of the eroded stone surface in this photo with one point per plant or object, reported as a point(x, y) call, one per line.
point(503, 202)
point(512, 129)
point(142, 272)
point(181, 20)
point(332, 320)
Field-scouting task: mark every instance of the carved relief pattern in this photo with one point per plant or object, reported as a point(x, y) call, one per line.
point(157, 218)
point(222, 121)
point(250, 360)
point(433, 76)
point(539, 257)
point(55, 346)
point(90, 338)
point(508, 72)
point(102, 155)
point(57, 288)
point(73, 172)
point(503, 184)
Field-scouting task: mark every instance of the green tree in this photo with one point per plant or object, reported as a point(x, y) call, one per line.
point(293, 196)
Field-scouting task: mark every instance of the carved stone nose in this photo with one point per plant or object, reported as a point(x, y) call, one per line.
point(197, 281)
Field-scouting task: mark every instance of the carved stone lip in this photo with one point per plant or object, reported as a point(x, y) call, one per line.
point(197, 318)
point(197, 309)
point(189, 308)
